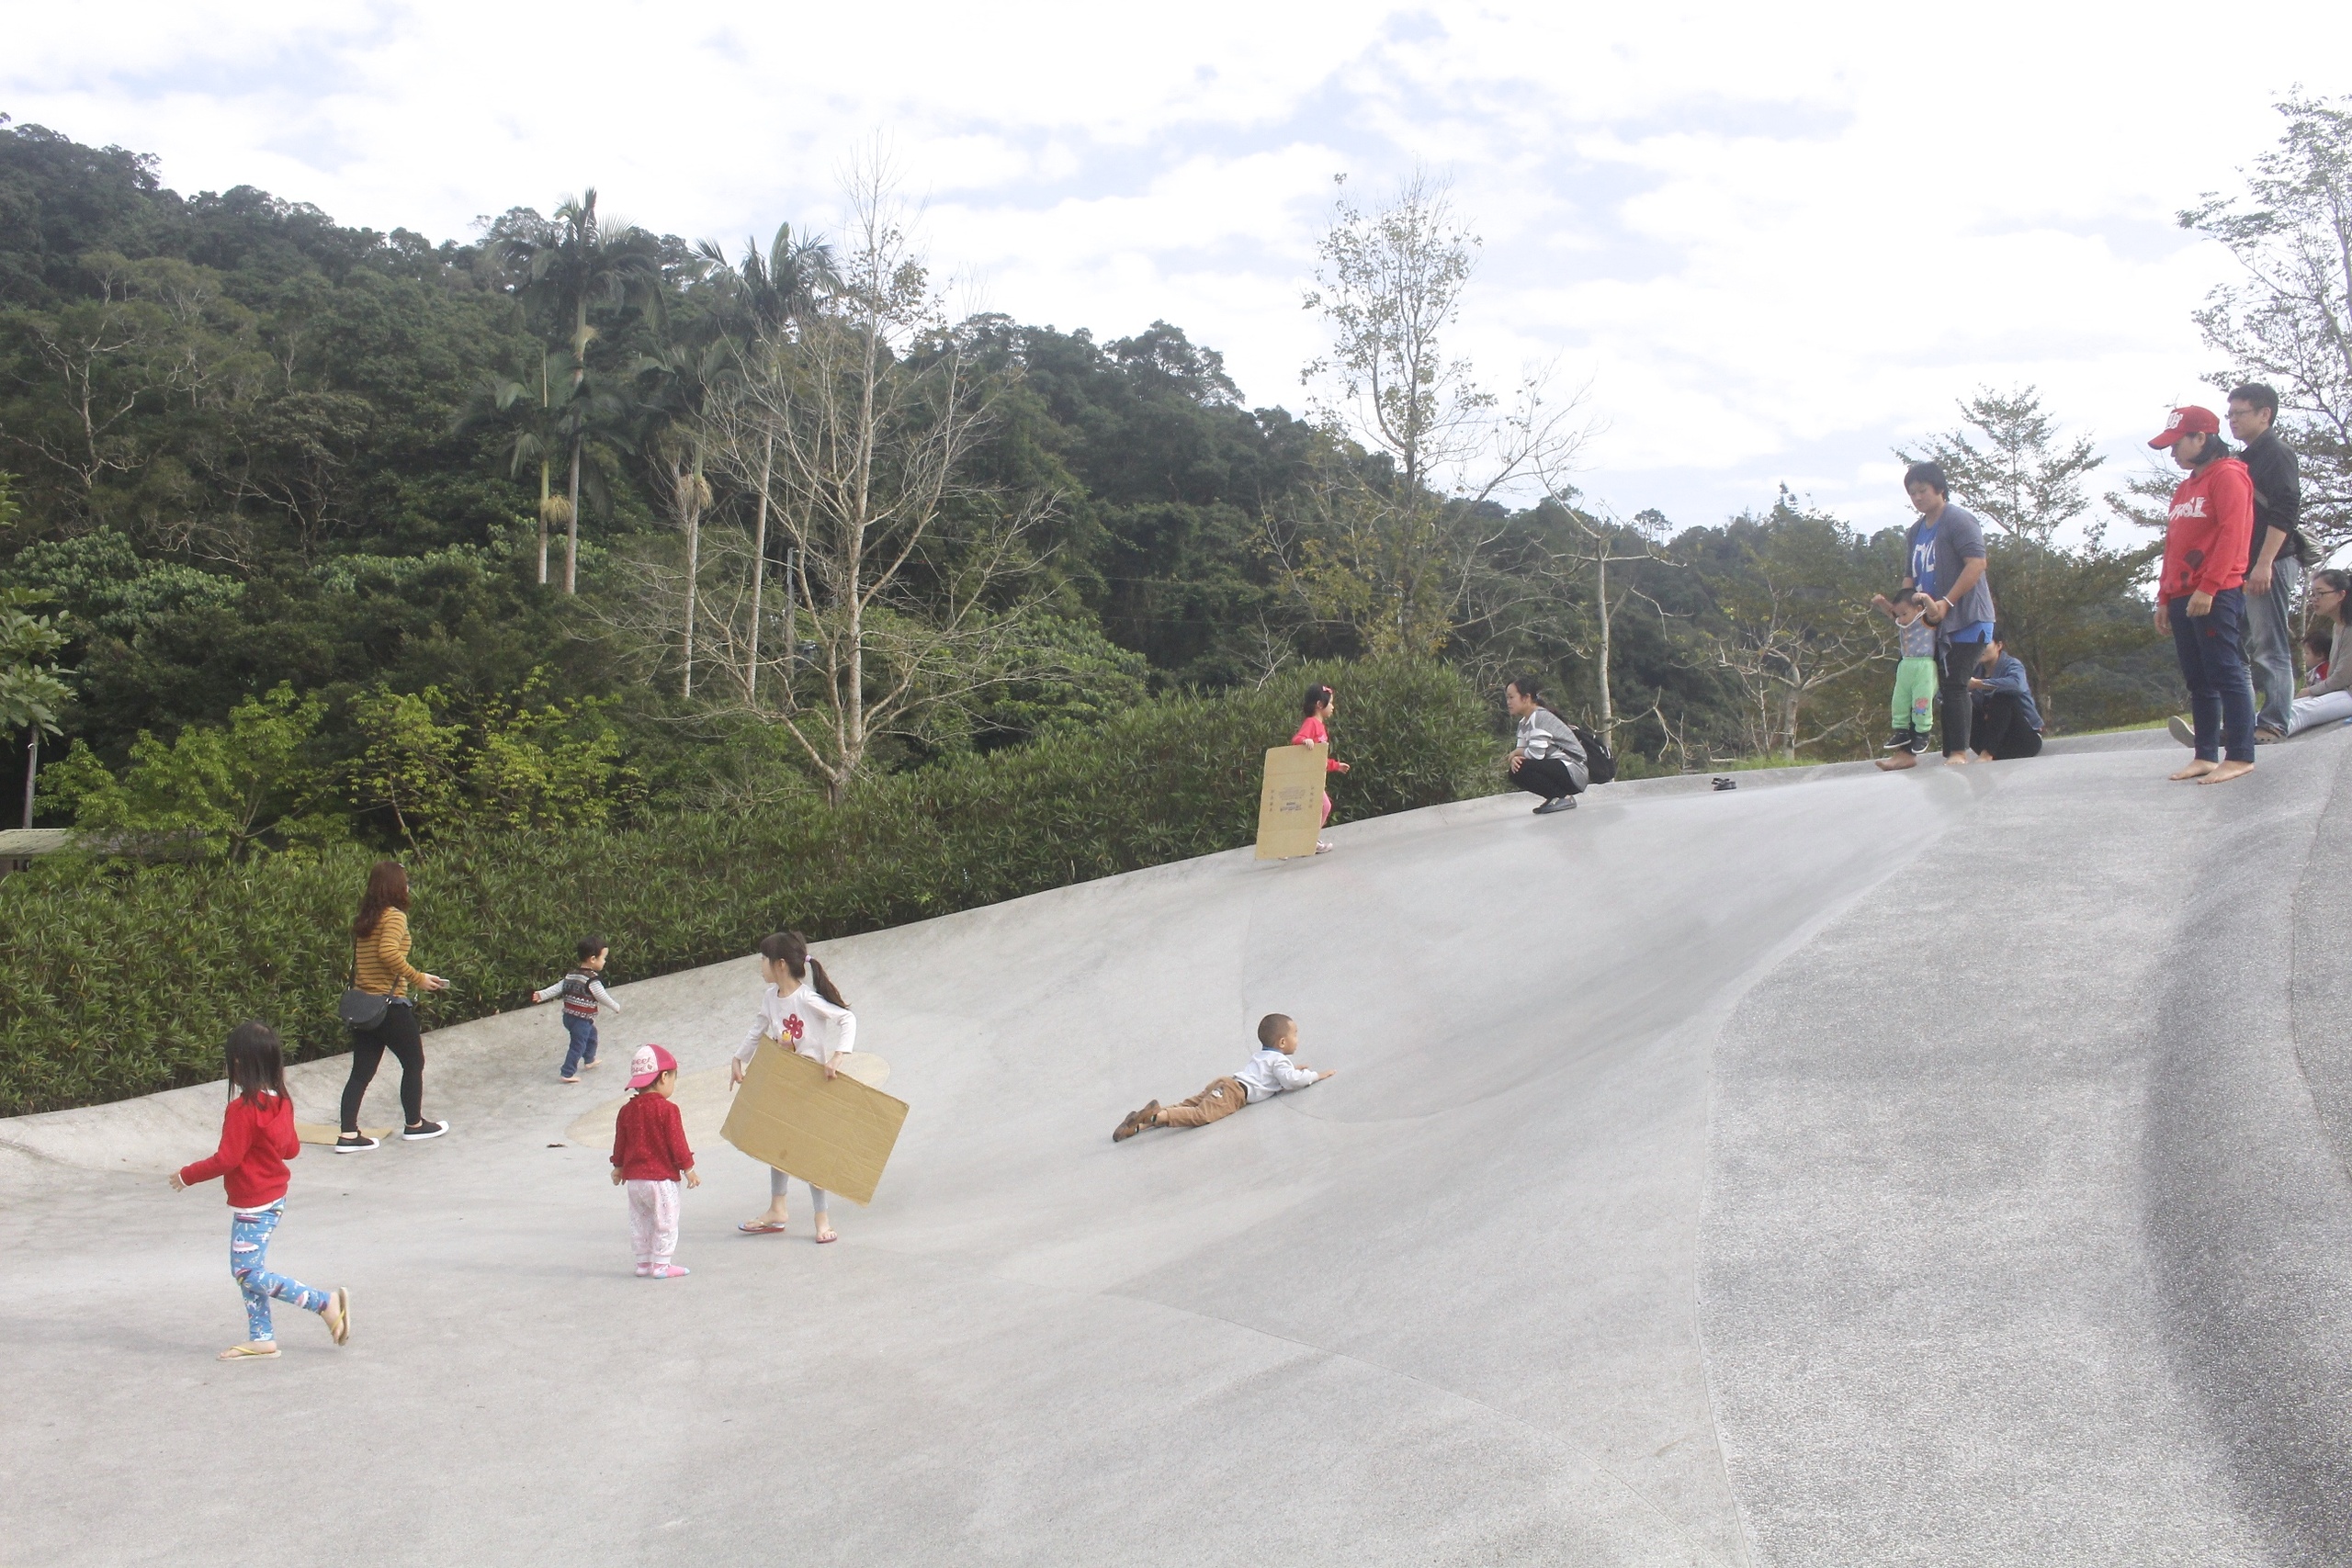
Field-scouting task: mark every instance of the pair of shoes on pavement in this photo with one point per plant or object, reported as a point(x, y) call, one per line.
point(1563, 803)
point(354, 1142)
point(1912, 740)
point(1135, 1122)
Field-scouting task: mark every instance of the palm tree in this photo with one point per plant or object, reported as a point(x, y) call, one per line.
point(763, 296)
point(572, 266)
point(684, 372)
point(529, 412)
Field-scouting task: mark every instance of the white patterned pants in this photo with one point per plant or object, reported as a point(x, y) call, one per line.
point(654, 1220)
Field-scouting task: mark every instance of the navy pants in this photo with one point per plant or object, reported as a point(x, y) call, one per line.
point(580, 1044)
point(2213, 662)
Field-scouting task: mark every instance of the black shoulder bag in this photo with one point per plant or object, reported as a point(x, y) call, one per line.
point(361, 1010)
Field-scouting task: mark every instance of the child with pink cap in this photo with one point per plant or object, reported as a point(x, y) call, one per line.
point(649, 1154)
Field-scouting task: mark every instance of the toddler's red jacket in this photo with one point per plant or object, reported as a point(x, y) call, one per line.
point(255, 1143)
point(2210, 531)
point(649, 1140)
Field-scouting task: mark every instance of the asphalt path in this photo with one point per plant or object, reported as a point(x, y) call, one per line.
point(1943, 1168)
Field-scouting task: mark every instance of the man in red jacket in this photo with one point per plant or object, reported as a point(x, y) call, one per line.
point(2199, 599)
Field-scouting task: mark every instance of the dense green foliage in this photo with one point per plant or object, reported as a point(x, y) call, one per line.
point(119, 979)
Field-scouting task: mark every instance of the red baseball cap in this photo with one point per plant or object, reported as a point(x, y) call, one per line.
point(649, 1063)
point(2190, 420)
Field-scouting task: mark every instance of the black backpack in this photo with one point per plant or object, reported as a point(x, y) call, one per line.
point(1599, 766)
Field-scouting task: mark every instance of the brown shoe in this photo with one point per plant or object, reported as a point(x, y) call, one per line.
point(1135, 1122)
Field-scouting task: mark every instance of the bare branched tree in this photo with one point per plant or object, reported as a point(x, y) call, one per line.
point(1389, 541)
point(857, 426)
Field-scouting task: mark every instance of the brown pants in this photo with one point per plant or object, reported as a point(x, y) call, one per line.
point(1220, 1099)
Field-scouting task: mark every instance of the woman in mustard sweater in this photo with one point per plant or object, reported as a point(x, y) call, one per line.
point(380, 963)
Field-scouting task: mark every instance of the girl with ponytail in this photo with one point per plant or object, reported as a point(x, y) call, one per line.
point(1313, 731)
point(800, 1010)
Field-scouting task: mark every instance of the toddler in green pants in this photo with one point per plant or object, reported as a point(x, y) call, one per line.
point(1915, 679)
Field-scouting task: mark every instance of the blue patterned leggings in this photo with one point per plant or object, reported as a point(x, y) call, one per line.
point(249, 1233)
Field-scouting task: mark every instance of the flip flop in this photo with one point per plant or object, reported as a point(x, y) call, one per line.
point(251, 1350)
point(340, 1299)
point(759, 1227)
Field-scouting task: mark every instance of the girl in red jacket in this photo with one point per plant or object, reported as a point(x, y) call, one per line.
point(257, 1140)
point(2199, 600)
point(1313, 731)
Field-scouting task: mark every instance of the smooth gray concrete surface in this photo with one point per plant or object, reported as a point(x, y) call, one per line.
point(1938, 1167)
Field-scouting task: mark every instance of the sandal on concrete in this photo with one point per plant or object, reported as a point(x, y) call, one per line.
point(251, 1350)
point(337, 1317)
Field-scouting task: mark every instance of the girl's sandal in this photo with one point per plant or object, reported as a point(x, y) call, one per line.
point(337, 1317)
point(251, 1350)
point(762, 1227)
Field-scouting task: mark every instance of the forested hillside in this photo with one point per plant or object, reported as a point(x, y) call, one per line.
point(352, 534)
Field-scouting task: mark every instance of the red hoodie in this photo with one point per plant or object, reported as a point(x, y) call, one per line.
point(256, 1143)
point(649, 1140)
point(2211, 530)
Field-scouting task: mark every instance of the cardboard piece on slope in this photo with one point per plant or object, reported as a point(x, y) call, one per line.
point(835, 1132)
point(326, 1132)
point(1290, 803)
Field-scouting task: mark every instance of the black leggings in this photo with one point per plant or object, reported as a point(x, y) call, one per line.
point(398, 1034)
point(1960, 663)
point(1999, 729)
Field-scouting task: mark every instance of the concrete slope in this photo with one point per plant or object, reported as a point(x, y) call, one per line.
point(1819, 1173)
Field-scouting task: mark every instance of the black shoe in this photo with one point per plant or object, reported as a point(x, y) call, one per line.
point(354, 1143)
point(1902, 742)
point(424, 1129)
point(1565, 803)
point(1917, 745)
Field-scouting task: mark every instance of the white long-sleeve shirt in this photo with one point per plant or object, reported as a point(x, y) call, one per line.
point(579, 1006)
point(1270, 1072)
point(801, 1021)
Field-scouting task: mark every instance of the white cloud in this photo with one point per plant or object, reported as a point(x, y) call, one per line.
point(1779, 241)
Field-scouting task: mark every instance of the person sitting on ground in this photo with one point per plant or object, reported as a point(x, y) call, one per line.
point(1268, 1073)
point(1548, 760)
point(2005, 724)
point(1912, 708)
point(2328, 698)
point(2318, 643)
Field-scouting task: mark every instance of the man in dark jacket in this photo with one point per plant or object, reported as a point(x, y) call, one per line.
point(2274, 565)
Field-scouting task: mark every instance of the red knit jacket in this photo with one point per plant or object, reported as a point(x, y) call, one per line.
point(649, 1140)
point(2210, 530)
point(255, 1143)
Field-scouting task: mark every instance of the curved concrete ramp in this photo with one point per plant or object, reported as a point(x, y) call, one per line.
point(1937, 1168)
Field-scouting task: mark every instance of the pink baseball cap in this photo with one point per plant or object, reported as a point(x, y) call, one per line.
point(649, 1063)
point(2190, 420)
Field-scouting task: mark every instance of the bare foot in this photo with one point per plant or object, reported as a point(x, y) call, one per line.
point(1899, 760)
point(2227, 772)
point(1957, 760)
point(825, 1232)
point(2196, 769)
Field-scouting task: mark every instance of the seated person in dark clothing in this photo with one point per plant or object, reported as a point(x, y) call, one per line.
point(2004, 723)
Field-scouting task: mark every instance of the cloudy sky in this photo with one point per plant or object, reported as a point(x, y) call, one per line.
point(1773, 241)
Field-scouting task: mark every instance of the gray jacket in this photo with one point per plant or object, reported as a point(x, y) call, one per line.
point(1544, 734)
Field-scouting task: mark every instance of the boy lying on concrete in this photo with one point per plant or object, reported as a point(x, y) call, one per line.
point(1268, 1073)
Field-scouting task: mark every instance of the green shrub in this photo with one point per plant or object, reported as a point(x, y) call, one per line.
point(117, 981)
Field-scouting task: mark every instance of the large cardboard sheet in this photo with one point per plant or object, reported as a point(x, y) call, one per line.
point(1290, 804)
point(835, 1132)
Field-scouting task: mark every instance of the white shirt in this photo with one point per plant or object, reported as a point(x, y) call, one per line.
point(1270, 1072)
point(801, 1021)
